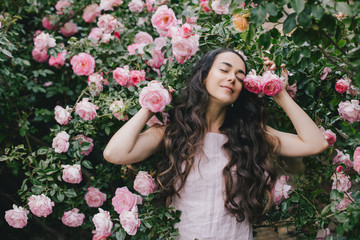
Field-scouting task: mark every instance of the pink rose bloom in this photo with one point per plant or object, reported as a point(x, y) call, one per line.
point(136, 76)
point(95, 33)
point(184, 48)
point(343, 203)
point(62, 5)
point(155, 121)
point(342, 86)
point(95, 198)
point(106, 37)
point(349, 111)
point(342, 158)
point(130, 222)
point(109, 4)
point(117, 109)
point(86, 110)
point(191, 20)
point(272, 84)
point(123, 200)
point(73, 218)
point(291, 89)
point(61, 142)
point(40, 206)
point(322, 234)
point(69, 29)
point(40, 55)
point(154, 97)
point(81, 138)
point(101, 236)
point(16, 217)
point(59, 60)
point(220, 9)
point(102, 222)
point(143, 37)
point(91, 12)
point(43, 41)
point(144, 183)
point(47, 23)
point(341, 182)
point(163, 19)
point(107, 23)
point(95, 83)
point(253, 82)
point(329, 136)
point(152, 5)
point(122, 75)
point(205, 5)
point(186, 30)
point(83, 64)
point(71, 174)
point(281, 189)
point(326, 71)
point(62, 116)
point(136, 5)
point(157, 59)
point(357, 160)
point(136, 46)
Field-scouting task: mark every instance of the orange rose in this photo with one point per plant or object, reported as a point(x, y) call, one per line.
point(240, 22)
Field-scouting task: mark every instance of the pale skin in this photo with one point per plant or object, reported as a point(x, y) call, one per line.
point(223, 83)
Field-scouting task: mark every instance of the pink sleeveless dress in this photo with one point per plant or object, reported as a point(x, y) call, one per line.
point(202, 199)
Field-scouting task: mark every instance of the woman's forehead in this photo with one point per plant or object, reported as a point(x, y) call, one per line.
point(231, 58)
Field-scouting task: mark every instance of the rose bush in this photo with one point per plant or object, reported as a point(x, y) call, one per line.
point(81, 61)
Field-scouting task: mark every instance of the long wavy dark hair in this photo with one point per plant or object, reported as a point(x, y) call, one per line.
point(248, 176)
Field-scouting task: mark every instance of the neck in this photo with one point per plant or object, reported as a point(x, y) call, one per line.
point(215, 117)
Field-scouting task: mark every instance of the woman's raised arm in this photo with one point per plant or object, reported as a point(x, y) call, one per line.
point(128, 145)
point(308, 140)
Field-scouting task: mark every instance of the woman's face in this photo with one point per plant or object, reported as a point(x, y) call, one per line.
point(224, 81)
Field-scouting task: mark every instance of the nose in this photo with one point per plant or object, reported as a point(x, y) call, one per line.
point(232, 78)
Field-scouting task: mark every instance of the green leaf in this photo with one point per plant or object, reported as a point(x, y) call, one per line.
point(120, 235)
point(304, 18)
point(148, 223)
point(271, 9)
point(317, 11)
point(297, 5)
point(265, 40)
point(289, 23)
point(70, 193)
point(60, 196)
point(6, 52)
point(107, 131)
point(341, 217)
point(258, 15)
point(87, 164)
point(344, 8)
point(326, 210)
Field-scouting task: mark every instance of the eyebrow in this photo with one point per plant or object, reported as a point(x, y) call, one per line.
point(228, 64)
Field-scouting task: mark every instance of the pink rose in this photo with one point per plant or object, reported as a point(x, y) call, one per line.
point(91, 12)
point(329, 136)
point(281, 189)
point(155, 121)
point(184, 48)
point(61, 142)
point(101, 236)
point(123, 200)
point(81, 138)
point(95, 33)
point(205, 5)
point(59, 60)
point(357, 160)
point(62, 116)
point(350, 111)
point(47, 23)
point(342, 86)
point(16, 217)
point(143, 37)
point(136, 5)
point(71, 174)
point(343, 203)
point(341, 182)
point(157, 59)
point(272, 84)
point(102, 222)
point(73, 218)
point(86, 110)
point(191, 20)
point(40, 55)
point(136, 46)
point(154, 97)
point(117, 109)
point(43, 41)
point(83, 64)
point(136, 76)
point(322, 234)
point(40, 206)
point(95, 198)
point(107, 23)
point(122, 75)
point(219, 8)
point(342, 158)
point(109, 4)
point(326, 71)
point(152, 5)
point(144, 183)
point(163, 19)
point(186, 30)
point(95, 83)
point(253, 82)
point(69, 29)
point(62, 5)
point(160, 42)
point(130, 222)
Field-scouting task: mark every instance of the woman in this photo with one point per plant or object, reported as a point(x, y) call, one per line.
point(217, 169)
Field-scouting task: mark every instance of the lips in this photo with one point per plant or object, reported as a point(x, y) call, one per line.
point(228, 88)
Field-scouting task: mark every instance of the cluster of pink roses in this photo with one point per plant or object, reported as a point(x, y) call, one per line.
point(127, 78)
point(154, 97)
point(281, 189)
point(329, 136)
point(269, 83)
point(42, 42)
